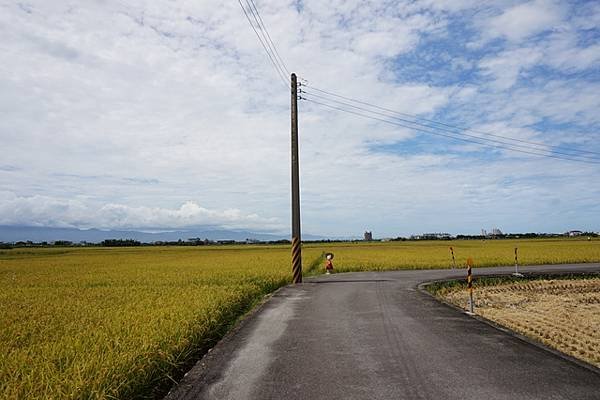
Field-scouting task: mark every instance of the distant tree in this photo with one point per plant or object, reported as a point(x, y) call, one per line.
point(195, 242)
point(282, 241)
point(120, 243)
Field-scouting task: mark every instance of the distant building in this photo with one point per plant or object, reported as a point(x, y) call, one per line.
point(493, 232)
point(368, 236)
point(435, 236)
point(574, 233)
point(496, 232)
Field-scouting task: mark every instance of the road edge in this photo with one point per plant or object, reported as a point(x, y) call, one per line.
point(181, 389)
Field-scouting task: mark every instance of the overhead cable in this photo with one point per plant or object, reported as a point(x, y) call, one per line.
point(479, 141)
point(265, 36)
point(437, 128)
point(275, 64)
point(273, 47)
point(462, 129)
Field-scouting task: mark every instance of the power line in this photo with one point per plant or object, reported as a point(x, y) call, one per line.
point(451, 131)
point(447, 125)
point(462, 129)
point(265, 36)
point(264, 28)
point(479, 141)
point(483, 143)
point(516, 145)
point(275, 65)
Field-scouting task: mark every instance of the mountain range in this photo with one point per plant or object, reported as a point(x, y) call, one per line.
point(47, 234)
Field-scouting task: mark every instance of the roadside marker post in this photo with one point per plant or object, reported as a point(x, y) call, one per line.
point(453, 260)
point(470, 285)
point(516, 273)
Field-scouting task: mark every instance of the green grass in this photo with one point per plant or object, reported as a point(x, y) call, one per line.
point(102, 323)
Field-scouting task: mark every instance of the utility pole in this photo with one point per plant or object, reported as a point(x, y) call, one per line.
point(296, 237)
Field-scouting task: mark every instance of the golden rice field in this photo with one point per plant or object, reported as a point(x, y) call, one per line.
point(116, 322)
point(561, 313)
point(107, 323)
point(436, 254)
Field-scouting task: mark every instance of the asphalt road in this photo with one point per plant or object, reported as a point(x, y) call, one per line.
point(375, 335)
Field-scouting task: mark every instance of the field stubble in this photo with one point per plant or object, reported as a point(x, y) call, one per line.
point(561, 313)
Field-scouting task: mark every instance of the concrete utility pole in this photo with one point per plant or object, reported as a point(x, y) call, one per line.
point(296, 236)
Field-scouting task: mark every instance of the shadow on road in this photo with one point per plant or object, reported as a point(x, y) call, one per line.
point(354, 281)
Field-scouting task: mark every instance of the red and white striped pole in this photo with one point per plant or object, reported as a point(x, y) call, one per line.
point(516, 273)
point(470, 284)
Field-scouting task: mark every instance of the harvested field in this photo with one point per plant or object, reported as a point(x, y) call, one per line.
point(561, 313)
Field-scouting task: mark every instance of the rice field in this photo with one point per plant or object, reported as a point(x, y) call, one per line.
point(117, 322)
point(376, 256)
point(561, 313)
point(121, 323)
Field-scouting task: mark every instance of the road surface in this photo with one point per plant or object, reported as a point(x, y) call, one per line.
point(375, 335)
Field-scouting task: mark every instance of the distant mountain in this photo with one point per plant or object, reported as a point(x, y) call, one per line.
point(43, 234)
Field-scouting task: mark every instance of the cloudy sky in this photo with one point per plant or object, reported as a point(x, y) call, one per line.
point(168, 114)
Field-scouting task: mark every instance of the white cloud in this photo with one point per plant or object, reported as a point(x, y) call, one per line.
point(524, 20)
point(169, 113)
point(546, 102)
point(506, 67)
point(448, 5)
point(389, 37)
point(83, 213)
point(563, 47)
point(562, 52)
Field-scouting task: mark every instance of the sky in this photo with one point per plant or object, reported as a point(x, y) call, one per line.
point(161, 115)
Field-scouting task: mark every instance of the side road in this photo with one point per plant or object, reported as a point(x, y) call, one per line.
point(374, 335)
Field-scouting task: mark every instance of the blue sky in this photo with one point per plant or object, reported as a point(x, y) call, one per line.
point(168, 114)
